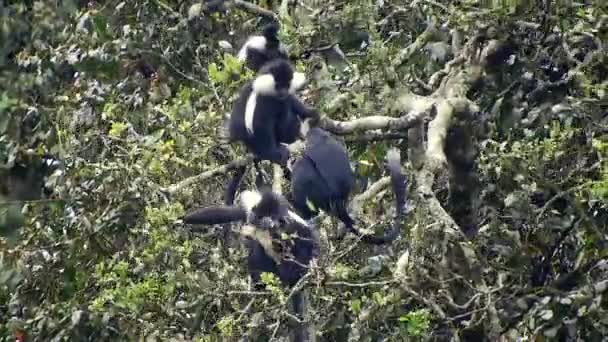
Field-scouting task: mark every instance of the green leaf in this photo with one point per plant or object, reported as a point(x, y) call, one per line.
point(355, 306)
point(232, 63)
point(214, 73)
point(101, 26)
point(117, 128)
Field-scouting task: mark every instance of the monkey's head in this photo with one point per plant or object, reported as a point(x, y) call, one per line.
point(264, 208)
point(277, 78)
point(313, 134)
point(271, 31)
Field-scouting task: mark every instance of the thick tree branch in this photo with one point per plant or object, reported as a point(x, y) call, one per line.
point(377, 136)
point(371, 123)
point(373, 190)
point(449, 100)
point(255, 9)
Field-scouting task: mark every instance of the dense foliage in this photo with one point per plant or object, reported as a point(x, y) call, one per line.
point(130, 98)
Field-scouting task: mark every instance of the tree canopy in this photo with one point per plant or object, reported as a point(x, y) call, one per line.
point(112, 127)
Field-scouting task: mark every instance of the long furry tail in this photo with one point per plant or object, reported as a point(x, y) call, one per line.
point(398, 179)
point(399, 185)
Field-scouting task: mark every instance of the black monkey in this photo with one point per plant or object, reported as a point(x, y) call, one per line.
point(260, 115)
point(278, 240)
point(267, 215)
point(323, 179)
point(259, 50)
point(255, 53)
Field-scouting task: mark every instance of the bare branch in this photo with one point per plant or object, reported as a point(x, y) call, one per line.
point(405, 54)
point(372, 191)
point(255, 9)
point(377, 136)
point(374, 122)
point(449, 100)
point(208, 174)
point(295, 148)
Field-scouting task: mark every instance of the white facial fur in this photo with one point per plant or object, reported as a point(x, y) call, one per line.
point(249, 111)
point(248, 230)
point(265, 85)
point(255, 42)
point(297, 82)
point(249, 199)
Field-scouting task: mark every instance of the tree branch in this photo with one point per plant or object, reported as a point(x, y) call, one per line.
point(172, 189)
point(449, 100)
point(373, 190)
point(255, 9)
point(370, 123)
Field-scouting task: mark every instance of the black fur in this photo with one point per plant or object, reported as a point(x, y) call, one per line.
point(271, 215)
point(255, 59)
point(288, 127)
point(213, 6)
point(269, 111)
point(324, 179)
point(215, 215)
point(233, 185)
point(275, 116)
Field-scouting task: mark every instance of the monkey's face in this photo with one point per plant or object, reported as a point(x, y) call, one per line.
point(277, 78)
point(282, 82)
point(282, 92)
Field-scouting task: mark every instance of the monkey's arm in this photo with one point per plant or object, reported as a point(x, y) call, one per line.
point(302, 110)
point(265, 147)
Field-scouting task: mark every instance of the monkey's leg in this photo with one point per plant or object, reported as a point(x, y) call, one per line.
point(349, 224)
point(262, 179)
point(229, 195)
point(233, 185)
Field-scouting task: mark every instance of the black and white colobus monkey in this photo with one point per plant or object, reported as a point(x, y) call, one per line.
point(261, 115)
point(268, 220)
point(259, 50)
point(255, 53)
point(323, 179)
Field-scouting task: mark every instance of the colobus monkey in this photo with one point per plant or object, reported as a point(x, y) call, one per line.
point(260, 116)
point(259, 50)
point(278, 240)
point(267, 216)
point(323, 179)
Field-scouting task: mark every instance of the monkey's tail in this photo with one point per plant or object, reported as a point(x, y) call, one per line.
point(398, 180)
point(399, 185)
